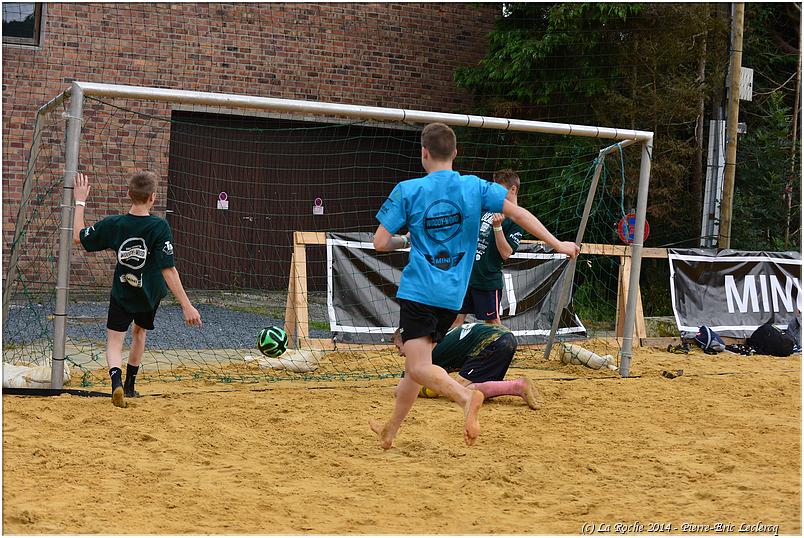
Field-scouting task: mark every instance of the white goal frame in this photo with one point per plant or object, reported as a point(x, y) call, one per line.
point(79, 90)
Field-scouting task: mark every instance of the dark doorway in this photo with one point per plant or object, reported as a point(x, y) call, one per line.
point(272, 171)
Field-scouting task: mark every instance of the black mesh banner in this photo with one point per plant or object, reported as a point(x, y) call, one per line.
point(733, 292)
point(362, 286)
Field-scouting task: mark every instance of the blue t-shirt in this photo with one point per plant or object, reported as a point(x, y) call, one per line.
point(442, 211)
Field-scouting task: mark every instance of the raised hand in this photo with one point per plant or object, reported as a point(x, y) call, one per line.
point(81, 188)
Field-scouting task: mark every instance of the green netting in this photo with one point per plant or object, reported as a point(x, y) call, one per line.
point(235, 262)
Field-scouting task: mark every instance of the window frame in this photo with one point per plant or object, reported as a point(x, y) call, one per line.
point(36, 42)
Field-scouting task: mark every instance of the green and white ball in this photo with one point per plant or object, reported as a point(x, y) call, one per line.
point(272, 341)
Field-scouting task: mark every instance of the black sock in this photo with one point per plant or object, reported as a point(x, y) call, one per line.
point(117, 377)
point(131, 377)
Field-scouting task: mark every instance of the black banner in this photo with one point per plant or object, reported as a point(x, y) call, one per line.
point(733, 292)
point(362, 286)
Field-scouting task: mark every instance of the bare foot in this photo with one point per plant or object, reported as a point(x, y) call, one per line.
point(471, 426)
point(529, 393)
point(383, 432)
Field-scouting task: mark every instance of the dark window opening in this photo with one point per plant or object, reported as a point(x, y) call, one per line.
point(22, 23)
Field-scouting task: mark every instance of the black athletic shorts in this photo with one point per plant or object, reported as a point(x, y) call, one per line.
point(417, 320)
point(119, 320)
point(483, 304)
point(492, 362)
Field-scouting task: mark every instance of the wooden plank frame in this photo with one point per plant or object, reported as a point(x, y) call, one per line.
point(297, 321)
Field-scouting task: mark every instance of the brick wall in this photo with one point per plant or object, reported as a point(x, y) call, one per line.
point(394, 55)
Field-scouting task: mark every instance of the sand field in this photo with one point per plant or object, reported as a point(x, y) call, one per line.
point(719, 444)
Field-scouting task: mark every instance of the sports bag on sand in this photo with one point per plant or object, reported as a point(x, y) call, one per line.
point(770, 340)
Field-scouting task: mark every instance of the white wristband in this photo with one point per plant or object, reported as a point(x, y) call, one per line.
point(80, 202)
point(405, 241)
point(497, 228)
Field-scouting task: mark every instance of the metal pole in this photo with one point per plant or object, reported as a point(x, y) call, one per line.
point(636, 258)
point(569, 275)
point(92, 89)
point(72, 144)
point(724, 240)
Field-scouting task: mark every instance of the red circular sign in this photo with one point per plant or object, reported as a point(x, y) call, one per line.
point(627, 226)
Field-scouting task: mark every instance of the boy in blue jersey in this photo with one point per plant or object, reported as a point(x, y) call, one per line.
point(442, 212)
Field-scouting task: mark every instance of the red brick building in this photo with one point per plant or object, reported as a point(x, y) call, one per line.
point(392, 55)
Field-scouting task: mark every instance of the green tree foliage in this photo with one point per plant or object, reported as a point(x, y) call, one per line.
point(769, 156)
point(765, 166)
point(537, 50)
point(635, 66)
point(657, 67)
point(624, 65)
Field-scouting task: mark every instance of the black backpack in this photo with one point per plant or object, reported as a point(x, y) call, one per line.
point(769, 340)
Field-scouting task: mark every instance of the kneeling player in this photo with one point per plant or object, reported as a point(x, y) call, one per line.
point(481, 354)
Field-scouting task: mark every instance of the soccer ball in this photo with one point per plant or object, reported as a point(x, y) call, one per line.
point(272, 341)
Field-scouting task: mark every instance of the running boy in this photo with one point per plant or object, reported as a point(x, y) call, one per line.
point(442, 212)
point(499, 239)
point(144, 246)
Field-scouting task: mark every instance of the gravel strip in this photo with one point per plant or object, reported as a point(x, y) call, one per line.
point(223, 328)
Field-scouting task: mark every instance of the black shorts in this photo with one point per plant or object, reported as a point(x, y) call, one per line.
point(483, 304)
point(119, 320)
point(492, 362)
point(417, 320)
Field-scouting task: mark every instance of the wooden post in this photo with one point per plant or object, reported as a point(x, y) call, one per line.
point(724, 239)
point(297, 321)
point(622, 295)
point(290, 306)
point(300, 285)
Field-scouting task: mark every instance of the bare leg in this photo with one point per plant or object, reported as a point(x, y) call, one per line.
point(406, 392)
point(459, 319)
point(419, 366)
point(114, 359)
point(114, 348)
point(138, 335)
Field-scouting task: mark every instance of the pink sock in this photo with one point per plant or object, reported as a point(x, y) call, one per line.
point(490, 389)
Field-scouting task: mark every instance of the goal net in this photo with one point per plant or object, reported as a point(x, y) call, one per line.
point(272, 205)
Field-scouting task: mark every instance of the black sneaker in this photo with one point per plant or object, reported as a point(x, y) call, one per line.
point(741, 349)
point(132, 394)
point(682, 349)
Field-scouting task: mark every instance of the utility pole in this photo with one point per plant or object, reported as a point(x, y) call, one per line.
point(735, 65)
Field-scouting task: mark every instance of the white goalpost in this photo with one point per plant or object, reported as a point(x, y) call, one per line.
point(322, 112)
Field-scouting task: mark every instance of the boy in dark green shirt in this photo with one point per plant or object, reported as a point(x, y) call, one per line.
point(498, 239)
point(144, 272)
point(481, 354)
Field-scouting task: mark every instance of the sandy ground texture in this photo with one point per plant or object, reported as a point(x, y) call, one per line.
point(719, 444)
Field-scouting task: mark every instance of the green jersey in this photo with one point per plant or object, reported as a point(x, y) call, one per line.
point(487, 269)
point(144, 246)
point(463, 342)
